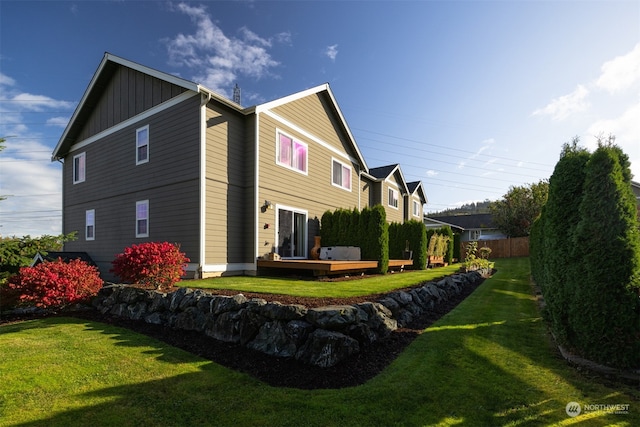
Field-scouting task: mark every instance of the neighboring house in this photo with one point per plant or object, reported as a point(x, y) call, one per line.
point(148, 156)
point(65, 256)
point(416, 199)
point(470, 226)
point(402, 201)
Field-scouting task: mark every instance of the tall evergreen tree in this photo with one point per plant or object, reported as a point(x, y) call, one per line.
point(605, 308)
point(560, 222)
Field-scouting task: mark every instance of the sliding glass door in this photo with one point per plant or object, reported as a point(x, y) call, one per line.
point(292, 233)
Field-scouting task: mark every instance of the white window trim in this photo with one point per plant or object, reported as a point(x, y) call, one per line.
point(143, 128)
point(396, 193)
point(416, 208)
point(295, 140)
point(342, 164)
point(88, 224)
point(142, 202)
point(82, 156)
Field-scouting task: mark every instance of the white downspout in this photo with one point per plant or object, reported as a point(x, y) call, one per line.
point(256, 192)
point(203, 188)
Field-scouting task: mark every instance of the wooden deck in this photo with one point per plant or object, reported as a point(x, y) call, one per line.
point(328, 267)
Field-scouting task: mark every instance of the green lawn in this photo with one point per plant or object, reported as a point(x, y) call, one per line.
point(314, 288)
point(487, 363)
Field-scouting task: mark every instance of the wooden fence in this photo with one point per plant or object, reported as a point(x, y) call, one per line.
point(504, 248)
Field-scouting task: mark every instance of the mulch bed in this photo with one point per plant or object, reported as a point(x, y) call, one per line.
point(282, 372)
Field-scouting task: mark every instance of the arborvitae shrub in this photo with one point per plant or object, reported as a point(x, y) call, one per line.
point(379, 232)
point(558, 270)
point(604, 305)
point(395, 240)
point(327, 229)
point(158, 264)
point(56, 283)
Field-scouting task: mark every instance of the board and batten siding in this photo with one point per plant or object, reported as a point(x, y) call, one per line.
point(170, 181)
point(228, 223)
point(312, 192)
point(128, 93)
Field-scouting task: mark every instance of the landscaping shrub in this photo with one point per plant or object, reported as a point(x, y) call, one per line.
point(605, 308)
point(554, 264)
point(56, 283)
point(413, 234)
point(158, 264)
point(448, 257)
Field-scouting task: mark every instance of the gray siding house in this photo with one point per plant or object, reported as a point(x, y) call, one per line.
point(148, 156)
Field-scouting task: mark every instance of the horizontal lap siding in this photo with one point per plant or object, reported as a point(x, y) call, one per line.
point(393, 214)
point(228, 230)
point(313, 192)
point(170, 181)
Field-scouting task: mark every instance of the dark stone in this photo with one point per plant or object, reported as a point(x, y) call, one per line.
point(332, 317)
point(327, 348)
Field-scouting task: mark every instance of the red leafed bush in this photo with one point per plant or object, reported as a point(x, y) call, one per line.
point(158, 264)
point(56, 283)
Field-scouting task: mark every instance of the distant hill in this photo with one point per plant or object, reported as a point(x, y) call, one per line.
point(470, 208)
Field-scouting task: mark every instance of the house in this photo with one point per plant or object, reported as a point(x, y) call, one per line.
point(470, 226)
point(65, 256)
point(148, 156)
point(402, 201)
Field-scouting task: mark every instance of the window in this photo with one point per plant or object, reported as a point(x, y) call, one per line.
point(416, 208)
point(142, 218)
point(393, 198)
point(79, 168)
point(291, 153)
point(341, 175)
point(90, 225)
point(142, 145)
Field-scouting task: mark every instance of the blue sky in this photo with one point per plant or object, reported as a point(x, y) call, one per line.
point(469, 97)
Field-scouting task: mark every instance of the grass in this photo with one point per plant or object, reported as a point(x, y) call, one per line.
point(309, 288)
point(487, 363)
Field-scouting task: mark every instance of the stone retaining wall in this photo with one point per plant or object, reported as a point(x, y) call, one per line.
point(316, 336)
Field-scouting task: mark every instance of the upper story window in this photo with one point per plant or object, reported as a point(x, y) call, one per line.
point(393, 198)
point(79, 168)
point(341, 175)
point(416, 208)
point(142, 145)
point(90, 225)
point(291, 153)
point(142, 218)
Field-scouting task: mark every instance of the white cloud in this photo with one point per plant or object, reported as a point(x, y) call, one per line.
point(621, 72)
point(564, 106)
point(58, 121)
point(217, 60)
point(332, 52)
point(626, 129)
point(432, 173)
point(31, 183)
point(6, 80)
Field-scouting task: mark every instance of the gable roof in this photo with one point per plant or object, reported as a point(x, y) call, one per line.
point(108, 67)
point(382, 173)
point(467, 222)
point(267, 106)
point(100, 79)
point(66, 257)
point(417, 187)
